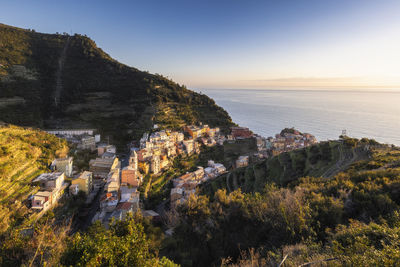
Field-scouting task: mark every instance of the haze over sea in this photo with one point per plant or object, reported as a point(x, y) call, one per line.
point(372, 114)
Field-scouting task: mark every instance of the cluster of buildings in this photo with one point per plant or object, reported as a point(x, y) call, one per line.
point(206, 135)
point(118, 186)
point(157, 150)
point(241, 132)
point(52, 187)
point(120, 193)
point(242, 161)
point(187, 183)
point(289, 140)
point(83, 138)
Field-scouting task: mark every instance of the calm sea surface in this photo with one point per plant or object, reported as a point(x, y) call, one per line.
point(325, 114)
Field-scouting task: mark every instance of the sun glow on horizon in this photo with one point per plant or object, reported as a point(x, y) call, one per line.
point(236, 44)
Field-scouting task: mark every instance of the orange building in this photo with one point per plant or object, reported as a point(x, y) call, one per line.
point(129, 176)
point(241, 132)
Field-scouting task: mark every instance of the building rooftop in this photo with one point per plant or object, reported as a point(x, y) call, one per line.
point(85, 175)
point(101, 162)
point(43, 194)
point(63, 159)
point(186, 176)
point(108, 155)
point(177, 190)
point(124, 206)
point(47, 176)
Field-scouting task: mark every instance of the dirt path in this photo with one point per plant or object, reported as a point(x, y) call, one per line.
point(345, 161)
point(59, 83)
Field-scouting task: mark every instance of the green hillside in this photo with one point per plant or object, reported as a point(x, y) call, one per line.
point(54, 80)
point(350, 217)
point(27, 241)
point(324, 159)
point(24, 154)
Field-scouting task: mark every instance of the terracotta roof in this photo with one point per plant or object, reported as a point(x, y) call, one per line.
point(124, 206)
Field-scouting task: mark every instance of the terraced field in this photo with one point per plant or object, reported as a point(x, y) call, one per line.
point(24, 154)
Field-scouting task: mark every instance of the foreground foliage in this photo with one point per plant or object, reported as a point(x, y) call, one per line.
point(125, 243)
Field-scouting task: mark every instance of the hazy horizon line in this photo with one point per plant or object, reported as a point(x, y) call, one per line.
point(347, 89)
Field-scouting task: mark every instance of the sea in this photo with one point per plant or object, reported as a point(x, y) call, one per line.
point(323, 113)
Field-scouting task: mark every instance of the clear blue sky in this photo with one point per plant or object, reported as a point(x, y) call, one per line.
point(234, 43)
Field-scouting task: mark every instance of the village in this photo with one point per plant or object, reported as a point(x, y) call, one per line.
point(111, 185)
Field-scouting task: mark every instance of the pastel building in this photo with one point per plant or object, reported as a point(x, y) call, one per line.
point(64, 165)
point(84, 182)
point(100, 167)
point(52, 188)
point(42, 200)
point(50, 181)
point(103, 148)
point(129, 176)
point(155, 165)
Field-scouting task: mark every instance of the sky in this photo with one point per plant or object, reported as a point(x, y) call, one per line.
point(235, 43)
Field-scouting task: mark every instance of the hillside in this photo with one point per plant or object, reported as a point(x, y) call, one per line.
point(24, 154)
point(324, 159)
point(350, 218)
point(61, 81)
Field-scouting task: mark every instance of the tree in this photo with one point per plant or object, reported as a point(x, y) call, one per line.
point(124, 244)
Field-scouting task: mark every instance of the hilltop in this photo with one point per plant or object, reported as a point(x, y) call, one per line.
point(63, 81)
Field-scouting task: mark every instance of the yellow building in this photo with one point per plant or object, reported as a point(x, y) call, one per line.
point(84, 182)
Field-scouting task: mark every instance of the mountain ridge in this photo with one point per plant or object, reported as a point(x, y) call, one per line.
point(63, 81)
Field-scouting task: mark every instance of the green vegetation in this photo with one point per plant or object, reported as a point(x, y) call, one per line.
point(82, 158)
point(234, 149)
point(26, 240)
point(335, 203)
point(131, 242)
point(323, 159)
point(97, 92)
point(24, 154)
point(124, 244)
point(350, 219)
